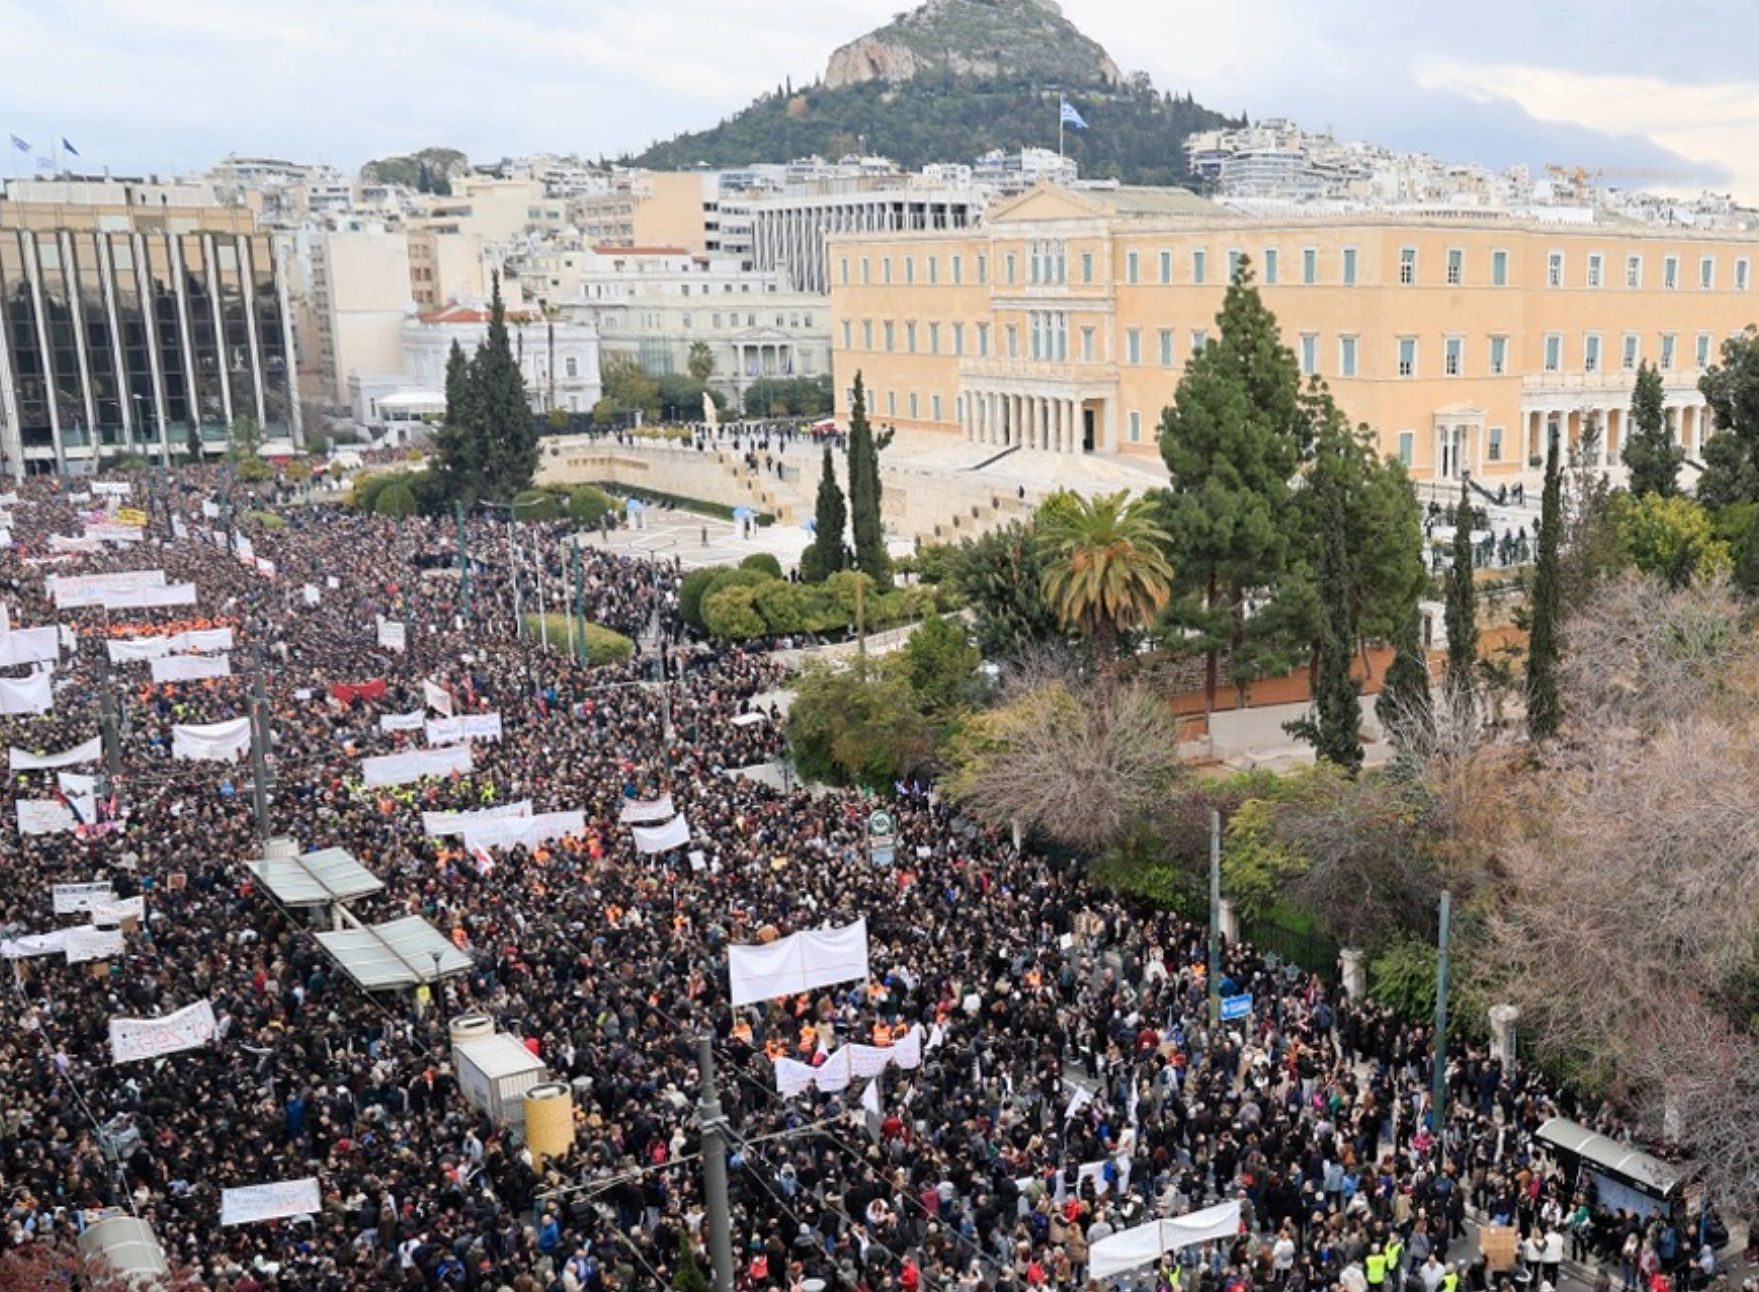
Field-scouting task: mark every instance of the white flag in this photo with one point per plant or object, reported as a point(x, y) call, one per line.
point(437, 697)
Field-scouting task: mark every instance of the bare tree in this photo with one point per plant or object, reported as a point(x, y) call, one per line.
point(1625, 930)
point(1082, 762)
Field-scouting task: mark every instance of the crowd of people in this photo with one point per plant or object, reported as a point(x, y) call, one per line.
point(1070, 1085)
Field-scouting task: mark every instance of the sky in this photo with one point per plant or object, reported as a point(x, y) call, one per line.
point(162, 85)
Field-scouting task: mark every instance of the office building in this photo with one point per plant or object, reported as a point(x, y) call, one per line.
point(128, 320)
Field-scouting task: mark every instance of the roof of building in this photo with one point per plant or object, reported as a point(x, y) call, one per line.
point(460, 313)
point(1152, 201)
point(606, 249)
point(315, 878)
point(398, 953)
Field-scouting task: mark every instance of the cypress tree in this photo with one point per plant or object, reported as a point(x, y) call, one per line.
point(864, 493)
point(1654, 460)
point(458, 445)
point(1462, 605)
point(1337, 734)
point(1404, 708)
point(1544, 710)
point(827, 553)
point(506, 430)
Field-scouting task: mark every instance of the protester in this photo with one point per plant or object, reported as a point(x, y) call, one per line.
point(1028, 984)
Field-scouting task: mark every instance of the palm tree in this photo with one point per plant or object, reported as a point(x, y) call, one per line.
point(1106, 567)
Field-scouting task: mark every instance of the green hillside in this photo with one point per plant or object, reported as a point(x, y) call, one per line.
point(1135, 134)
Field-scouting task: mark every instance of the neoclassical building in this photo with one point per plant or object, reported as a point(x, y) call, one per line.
point(1064, 322)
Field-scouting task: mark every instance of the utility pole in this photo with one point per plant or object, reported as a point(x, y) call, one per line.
point(107, 723)
point(463, 560)
point(1438, 1092)
point(714, 1168)
point(861, 617)
point(259, 743)
point(1215, 917)
point(513, 569)
point(575, 604)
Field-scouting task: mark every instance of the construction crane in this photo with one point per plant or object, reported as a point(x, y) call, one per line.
point(1578, 178)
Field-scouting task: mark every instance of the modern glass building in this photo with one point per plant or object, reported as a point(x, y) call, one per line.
point(127, 325)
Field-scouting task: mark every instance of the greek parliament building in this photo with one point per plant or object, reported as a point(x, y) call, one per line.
point(1064, 323)
point(128, 316)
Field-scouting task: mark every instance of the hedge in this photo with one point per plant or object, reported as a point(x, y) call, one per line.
point(702, 507)
point(602, 646)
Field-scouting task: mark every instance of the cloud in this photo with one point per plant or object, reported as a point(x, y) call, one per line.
point(1714, 125)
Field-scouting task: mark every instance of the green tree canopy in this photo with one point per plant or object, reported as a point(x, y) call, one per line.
point(827, 553)
point(864, 493)
point(858, 726)
point(1000, 575)
point(1731, 454)
point(1232, 440)
point(1653, 458)
point(505, 429)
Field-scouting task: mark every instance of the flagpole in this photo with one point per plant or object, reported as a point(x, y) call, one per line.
point(1060, 101)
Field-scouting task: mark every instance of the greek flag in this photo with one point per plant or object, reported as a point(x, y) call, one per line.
point(69, 148)
point(20, 145)
point(1072, 117)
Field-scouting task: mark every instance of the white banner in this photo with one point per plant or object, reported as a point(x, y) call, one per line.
point(850, 1063)
point(402, 721)
point(210, 510)
point(26, 694)
point(110, 488)
point(23, 761)
point(110, 532)
point(400, 769)
point(640, 812)
point(220, 742)
point(91, 589)
point(437, 697)
point(798, 963)
point(392, 634)
point(175, 594)
point(127, 650)
point(110, 913)
point(189, 1028)
point(1129, 1248)
point(71, 899)
point(29, 646)
point(191, 668)
point(472, 726)
point(512, 831)
point(274, 1201)
point(311, 594)
point(662, 838)
point(244, 548)
point(30, 945)
point(67, 545)
point(44, 816)
point(85, 944)
point(439, 824)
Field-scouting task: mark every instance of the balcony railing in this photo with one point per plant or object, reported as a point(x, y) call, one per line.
point(1038, 370)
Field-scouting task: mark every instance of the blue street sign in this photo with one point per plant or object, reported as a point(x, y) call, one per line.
point(1236, 1006)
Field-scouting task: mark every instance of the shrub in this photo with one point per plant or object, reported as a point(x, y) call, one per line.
point(731, 613)
point(692, 591)
point(265, 519)
point(588, 505)
point(602, 646)
point(764, 563)
point(395, 499)
point(531, 505)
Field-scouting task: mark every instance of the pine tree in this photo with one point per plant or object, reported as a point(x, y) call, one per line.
point(864, 493)
point(1544, 709)
point(506, 430)
point(1404, 708)
point(1335, 732)
point(1232, 441)
point(1462, 604)
point(827, 553)
point(1651, 455)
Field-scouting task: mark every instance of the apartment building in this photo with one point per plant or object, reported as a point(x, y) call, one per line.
point(1065, 321)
